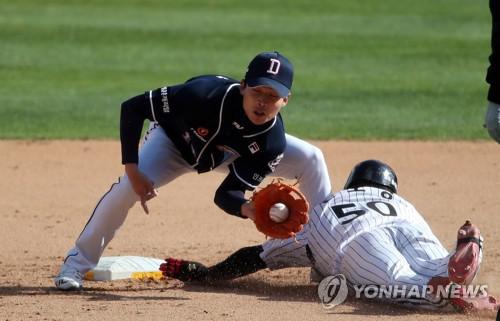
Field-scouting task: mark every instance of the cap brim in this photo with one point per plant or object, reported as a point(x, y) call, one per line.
point(281, 89)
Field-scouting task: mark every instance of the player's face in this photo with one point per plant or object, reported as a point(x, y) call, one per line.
point(261, 103)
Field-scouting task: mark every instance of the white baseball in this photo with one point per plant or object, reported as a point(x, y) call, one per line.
point(278, 212)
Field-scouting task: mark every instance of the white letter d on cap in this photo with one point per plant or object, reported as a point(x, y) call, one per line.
point(274, 67)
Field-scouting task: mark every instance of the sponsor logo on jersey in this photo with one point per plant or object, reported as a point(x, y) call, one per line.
point(257, 177)
point(238, 126)
point(202, 131)
point(254, 147)
point(164, 100)
point(272, 164)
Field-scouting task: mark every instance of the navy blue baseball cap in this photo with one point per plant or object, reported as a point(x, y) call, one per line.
point(271, 69)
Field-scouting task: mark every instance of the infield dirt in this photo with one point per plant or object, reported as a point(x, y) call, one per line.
point(49, 189)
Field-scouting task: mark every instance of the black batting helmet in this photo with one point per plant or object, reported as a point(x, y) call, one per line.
point(373, 173)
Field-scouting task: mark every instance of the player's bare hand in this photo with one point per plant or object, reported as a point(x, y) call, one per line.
point(141, 184)
point(147, 197)
point(248, 210)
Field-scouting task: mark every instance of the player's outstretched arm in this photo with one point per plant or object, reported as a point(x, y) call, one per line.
point(243, 262)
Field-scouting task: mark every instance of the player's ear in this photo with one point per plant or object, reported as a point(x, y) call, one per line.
point(285, 100)
point(243, 86)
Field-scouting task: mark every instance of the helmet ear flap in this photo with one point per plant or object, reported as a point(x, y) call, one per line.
point(373, 173)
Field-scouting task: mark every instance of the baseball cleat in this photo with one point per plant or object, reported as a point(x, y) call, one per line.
point(464, 263)
point(69, 279)
point(467, 304)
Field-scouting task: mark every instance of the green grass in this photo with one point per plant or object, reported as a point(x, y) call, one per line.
point(365, 69)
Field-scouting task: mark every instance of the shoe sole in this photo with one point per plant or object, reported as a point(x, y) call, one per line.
point(464, 264)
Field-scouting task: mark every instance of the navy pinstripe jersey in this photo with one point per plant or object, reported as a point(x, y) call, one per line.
point(213, 107)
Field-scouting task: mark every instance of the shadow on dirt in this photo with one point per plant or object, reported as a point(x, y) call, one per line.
point(262, 288)
point(92, 293)
point(274, 291)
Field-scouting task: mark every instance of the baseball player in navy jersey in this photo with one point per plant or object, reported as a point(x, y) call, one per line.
point(492, 119)
point(366, 232)
point(205, 123)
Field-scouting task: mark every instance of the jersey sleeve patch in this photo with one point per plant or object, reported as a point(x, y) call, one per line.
point(251, 176)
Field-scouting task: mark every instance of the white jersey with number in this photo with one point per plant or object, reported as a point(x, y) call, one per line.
point(368, 234)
